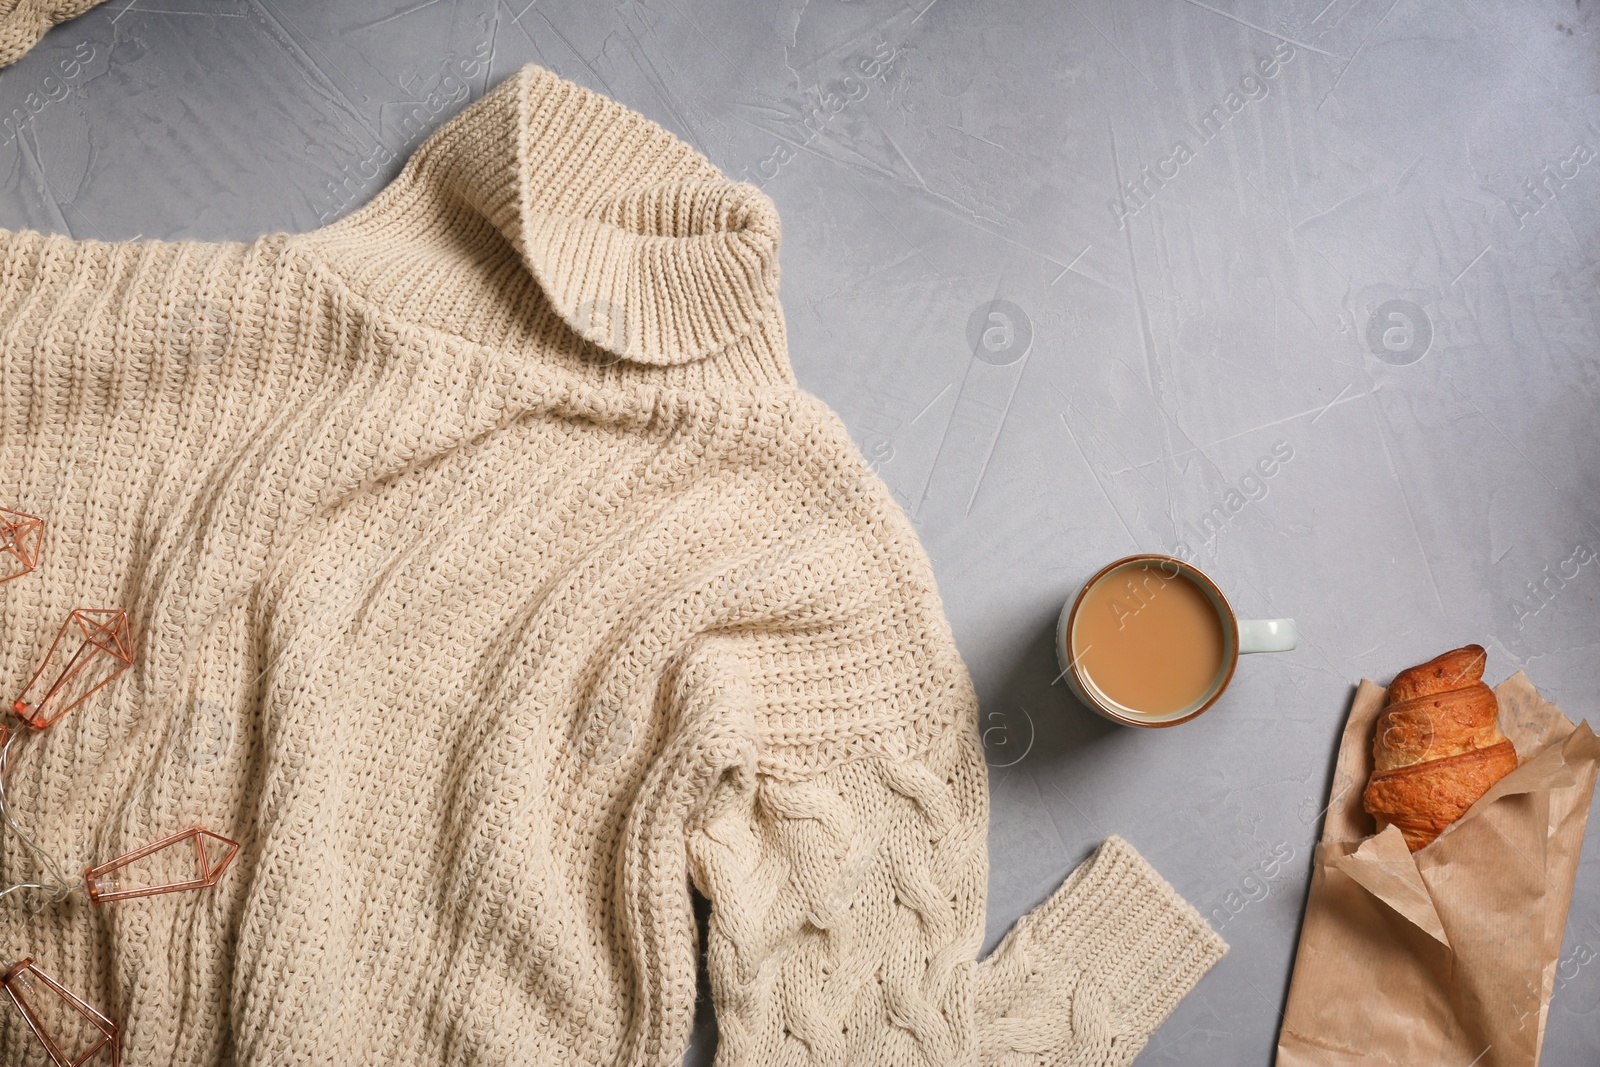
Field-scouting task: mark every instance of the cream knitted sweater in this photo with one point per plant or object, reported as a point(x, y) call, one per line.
point(492, 582)
point(23, 22)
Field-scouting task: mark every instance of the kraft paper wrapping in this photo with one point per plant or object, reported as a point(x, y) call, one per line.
point(1448, 956)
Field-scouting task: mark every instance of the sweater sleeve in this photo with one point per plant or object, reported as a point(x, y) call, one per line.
point(23, 22)
point(844, 854)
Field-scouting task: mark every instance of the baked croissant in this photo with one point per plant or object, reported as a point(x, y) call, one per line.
point(1438, 746)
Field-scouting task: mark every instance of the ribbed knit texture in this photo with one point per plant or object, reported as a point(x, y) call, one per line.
point(486, 639)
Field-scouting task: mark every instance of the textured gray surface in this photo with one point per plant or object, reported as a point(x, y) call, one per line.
point(1175, 314)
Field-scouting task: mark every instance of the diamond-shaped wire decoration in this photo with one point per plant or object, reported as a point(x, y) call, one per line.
point(163, 866)
point(21, 538)
point(91, 650)
point(72, 1032)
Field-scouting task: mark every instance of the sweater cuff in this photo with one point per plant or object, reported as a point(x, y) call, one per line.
point(1098, 965)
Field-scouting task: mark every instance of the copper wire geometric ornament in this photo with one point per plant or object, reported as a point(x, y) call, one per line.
point(163, 867)
point(71, 1031)
point(21, 535)
point(92, 648)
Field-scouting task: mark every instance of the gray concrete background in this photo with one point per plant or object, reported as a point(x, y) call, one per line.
point(1382, 258)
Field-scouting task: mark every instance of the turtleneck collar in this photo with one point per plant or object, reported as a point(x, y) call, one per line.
point(635, 241)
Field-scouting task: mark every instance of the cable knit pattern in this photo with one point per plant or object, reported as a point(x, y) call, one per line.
point(23, 22)
point(492, 580)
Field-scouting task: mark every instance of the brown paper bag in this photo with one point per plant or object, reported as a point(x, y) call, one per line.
point(1447, 956)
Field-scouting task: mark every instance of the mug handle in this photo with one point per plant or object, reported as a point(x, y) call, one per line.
point(1266, 635)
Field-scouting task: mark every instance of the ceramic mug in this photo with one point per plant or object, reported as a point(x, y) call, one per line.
point(1238, 636)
